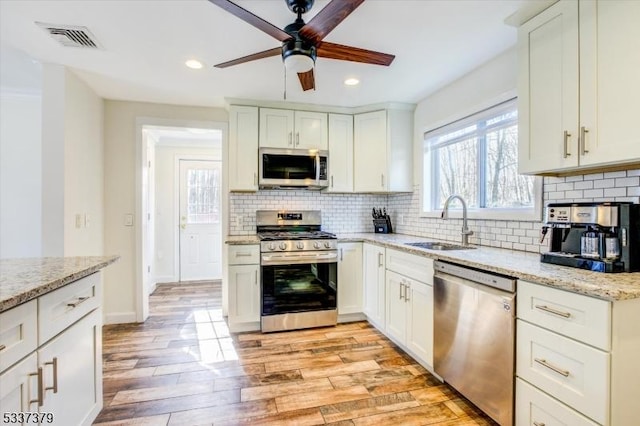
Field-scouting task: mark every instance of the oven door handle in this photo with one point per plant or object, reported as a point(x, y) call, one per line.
point(296, 259)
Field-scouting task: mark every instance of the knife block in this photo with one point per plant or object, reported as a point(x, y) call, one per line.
point(382, 226)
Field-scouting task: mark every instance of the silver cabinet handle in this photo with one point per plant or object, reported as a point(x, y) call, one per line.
point(567, 135)
point(553, 368)
point(400, 291)
point(297, 138)
point(54, 363)
point(243, 254)
point(341, 255)
point(255, 277)
point(538, 423)
point(380, 259)
point(583, 139)
point(290, 138)
point(382, 180)
point(40, 398)
point(78, 302)
point(2, 347)
point(407, 288)
point(553, 311)
point(255, 178)
point(332, 181)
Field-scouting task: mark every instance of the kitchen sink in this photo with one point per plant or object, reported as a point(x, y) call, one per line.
point(437, 245)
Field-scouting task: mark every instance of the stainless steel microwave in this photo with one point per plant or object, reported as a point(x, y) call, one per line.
point(293, 168)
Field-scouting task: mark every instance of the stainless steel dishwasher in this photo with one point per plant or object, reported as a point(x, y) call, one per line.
point(474, 336)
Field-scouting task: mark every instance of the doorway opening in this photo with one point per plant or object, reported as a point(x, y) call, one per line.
point(181, 204)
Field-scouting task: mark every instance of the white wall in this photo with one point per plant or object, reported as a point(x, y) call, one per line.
point(166, 180)
point(120, 194)
point(20, 175)
point(72, 166)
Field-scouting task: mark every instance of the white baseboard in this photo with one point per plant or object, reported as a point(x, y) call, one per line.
point(152, 288)
point(159, 279)
point(351, 317)
point(120, 318)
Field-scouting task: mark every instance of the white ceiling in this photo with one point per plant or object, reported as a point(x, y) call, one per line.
point(146, 43)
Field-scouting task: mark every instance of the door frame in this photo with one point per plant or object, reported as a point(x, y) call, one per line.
point(176, 205)
point(141, 288)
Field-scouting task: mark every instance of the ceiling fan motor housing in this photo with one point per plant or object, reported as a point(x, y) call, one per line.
point(298, 46)
point(299, 6)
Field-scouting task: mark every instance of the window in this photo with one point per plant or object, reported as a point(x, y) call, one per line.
point(477, 158)
point(203, 189)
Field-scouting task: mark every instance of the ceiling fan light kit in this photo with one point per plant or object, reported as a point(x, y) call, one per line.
point(302, 42)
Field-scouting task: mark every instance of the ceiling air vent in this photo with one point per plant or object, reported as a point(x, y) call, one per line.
point(71, 35)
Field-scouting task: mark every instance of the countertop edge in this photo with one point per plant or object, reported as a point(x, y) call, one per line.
point(42, 289)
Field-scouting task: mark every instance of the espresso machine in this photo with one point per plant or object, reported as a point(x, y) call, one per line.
point(603, 237)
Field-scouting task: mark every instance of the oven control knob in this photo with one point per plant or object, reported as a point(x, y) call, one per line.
point(327, 244)
point(299, 245)
point(316, 245)
point(272, 246)
point(283, 246)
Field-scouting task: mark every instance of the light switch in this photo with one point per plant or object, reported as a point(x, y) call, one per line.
point(128, 219)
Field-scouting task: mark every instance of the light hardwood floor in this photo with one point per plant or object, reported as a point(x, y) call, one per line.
point(183, 367)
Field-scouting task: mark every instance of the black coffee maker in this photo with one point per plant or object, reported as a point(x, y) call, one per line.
point(603, 237)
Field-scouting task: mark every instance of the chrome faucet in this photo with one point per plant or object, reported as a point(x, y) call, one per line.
point(445, 215)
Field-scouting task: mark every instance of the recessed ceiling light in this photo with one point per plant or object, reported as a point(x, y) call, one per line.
point(194, 64)
point(351, 81)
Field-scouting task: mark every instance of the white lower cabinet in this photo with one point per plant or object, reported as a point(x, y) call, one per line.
point(244, 288)
point(409, 303)
point(19, 385)
point(373, 276)
point(61, 373)
point(576, 358)
point(72, 372)
point(534, 407)
point(349, 281)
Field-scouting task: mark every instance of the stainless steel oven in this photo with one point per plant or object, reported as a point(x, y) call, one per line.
point(299, 271)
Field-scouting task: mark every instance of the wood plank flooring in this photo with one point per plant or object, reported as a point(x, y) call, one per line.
point(183, 367)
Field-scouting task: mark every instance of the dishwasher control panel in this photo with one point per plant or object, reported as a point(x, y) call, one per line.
point(481, 277)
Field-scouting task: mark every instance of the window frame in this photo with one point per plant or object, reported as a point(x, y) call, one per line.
point(530, 214)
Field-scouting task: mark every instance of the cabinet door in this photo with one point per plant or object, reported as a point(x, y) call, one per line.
point(397, 306)
point(18, 333)
point(370, 152)
point(243, 148)
point(609, 83)
point(72, 370)
point(18, 386)
point(276, 128)
point(420, 321)
point(340, 153)
point(244, 294)
point(310, 130)
point(374, 284)
point(548, 90)
point(350, 278)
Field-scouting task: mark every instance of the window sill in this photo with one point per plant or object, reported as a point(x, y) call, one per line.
point(517, 215)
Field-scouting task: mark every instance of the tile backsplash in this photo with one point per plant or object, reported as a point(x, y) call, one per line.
point(344, 213)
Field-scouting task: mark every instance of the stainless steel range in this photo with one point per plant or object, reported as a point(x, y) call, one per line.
point(299, 270)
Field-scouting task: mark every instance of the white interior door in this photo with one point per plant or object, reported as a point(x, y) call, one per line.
point(200, 220)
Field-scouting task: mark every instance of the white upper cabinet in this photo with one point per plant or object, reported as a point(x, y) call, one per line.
point(280, 128)
point(340, 153)
point(578, 89)
point(243, 148)
point(383, 151)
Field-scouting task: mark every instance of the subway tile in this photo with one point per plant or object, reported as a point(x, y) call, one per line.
point(615, 174)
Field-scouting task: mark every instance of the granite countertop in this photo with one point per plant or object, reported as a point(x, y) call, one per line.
point(518, 264)
point(24, 279)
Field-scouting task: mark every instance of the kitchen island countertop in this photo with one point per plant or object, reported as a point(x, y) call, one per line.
point(24, 279)
point(522, 265)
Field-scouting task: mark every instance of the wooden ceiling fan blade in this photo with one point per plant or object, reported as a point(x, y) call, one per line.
point(307, 80)
point(260, 55)
point(327, 19)
point(353, 54)
point(252, 19)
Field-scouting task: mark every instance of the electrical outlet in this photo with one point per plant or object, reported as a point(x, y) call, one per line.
point(79, 220)
point(87, 220)
point(239, 221)
point(128, 219)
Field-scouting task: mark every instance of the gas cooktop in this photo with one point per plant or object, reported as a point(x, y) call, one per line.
point(295, 235)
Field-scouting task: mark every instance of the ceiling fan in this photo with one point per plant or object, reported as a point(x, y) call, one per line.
point(302, 42)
